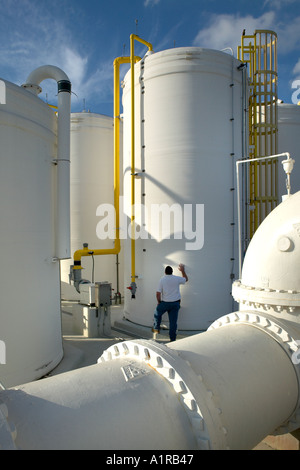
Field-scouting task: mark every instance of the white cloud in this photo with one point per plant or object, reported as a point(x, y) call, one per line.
point(39, 38)
point(99, 84)
point(289, 36)
point(151, 2)
point(225, 30)
point(75, 66)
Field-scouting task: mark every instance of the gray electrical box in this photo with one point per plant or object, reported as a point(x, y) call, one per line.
point(103, 294)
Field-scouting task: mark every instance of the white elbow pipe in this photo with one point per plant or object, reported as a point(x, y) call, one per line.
point(63, 250)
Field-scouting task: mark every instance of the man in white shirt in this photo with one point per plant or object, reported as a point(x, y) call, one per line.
point(168, 300)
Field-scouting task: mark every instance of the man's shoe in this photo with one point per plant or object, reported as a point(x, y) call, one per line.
point(155, 333)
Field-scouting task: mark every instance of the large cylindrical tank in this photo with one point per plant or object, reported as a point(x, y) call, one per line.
point(92, 185)
point(30, 321)
point(288, 141)
point(188, 134)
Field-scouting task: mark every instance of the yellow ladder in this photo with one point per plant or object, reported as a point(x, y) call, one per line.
point(259, 51)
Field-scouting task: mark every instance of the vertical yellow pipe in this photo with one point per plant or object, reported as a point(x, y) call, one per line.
point(86, 251)
point(133, 37)
point(117, 62)
point(117, 146)
point(132, 161)
point(110, 251)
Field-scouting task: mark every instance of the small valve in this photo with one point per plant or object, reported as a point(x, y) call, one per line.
point(133, 288)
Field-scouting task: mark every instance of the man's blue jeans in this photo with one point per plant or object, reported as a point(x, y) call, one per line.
point(172, 308)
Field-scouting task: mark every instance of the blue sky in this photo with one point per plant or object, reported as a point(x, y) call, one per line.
point(83, 37)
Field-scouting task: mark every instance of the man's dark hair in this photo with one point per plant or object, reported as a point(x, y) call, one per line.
point(169, 270)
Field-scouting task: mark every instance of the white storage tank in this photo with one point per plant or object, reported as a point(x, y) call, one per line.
point(188, 134)
point(91, 186)
point(289, 141)
point(30, 320)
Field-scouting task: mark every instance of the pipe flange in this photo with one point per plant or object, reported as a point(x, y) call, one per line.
point(7, 430)
point(278, 330)
point(265, 297)
point(162, 361)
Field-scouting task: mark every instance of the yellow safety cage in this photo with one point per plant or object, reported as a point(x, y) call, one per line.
point(259, 51)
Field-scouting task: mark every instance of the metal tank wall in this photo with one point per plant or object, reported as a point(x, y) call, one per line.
point(92, 166)
point(188, 135)
point(30, 322)
point(288, 141)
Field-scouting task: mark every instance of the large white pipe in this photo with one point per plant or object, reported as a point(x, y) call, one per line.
point(96, 408)
point(63, 150)
point(224, 389)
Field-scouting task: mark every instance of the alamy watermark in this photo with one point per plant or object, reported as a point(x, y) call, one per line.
point(296, 93)
point(158, 222)
point(2, 92)
point(2, 352)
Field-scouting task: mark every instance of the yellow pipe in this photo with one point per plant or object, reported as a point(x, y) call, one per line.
point(133, 37)
point(86, 251)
